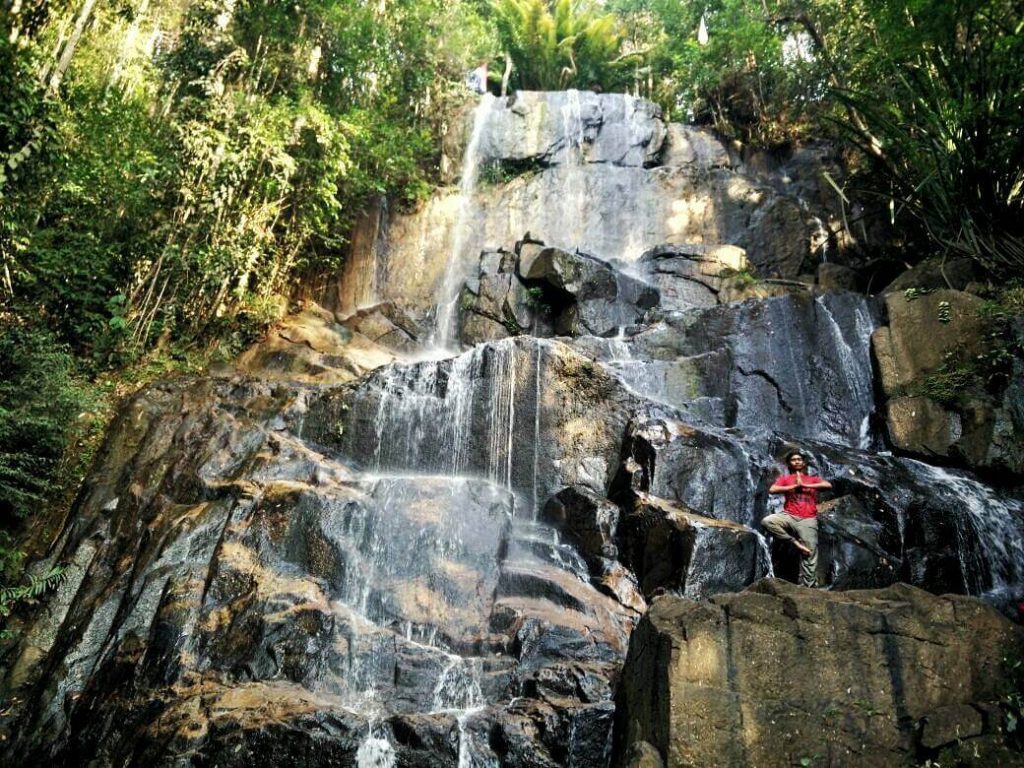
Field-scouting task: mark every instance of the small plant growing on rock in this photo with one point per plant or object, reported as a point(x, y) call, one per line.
point(742, 278)
point(535, 301)
point(915, 293)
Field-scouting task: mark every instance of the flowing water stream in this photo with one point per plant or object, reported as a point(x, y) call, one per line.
point(460, 262)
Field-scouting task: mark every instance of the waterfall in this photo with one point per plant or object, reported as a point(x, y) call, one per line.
point(572, 168)
point(458, 686)
point(445, 333)
point(375, 752)
point(459, 416)
point(998, 527)
point(855, 364)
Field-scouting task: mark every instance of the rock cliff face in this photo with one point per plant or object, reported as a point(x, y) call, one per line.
point(600, 173)
point(422, 532)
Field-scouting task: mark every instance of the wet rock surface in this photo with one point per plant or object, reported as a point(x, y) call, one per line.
point(779, 674)
point(599, 173)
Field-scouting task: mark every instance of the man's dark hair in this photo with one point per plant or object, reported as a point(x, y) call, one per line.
point(793, 453)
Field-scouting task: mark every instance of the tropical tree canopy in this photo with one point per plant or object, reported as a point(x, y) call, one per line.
point(560, 44)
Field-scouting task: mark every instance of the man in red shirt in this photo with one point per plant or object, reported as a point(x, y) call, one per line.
point(798, 521)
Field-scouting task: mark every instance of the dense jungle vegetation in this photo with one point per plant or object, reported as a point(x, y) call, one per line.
point(169, 169)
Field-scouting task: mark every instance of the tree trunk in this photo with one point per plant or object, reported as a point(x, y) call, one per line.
point(69, 48)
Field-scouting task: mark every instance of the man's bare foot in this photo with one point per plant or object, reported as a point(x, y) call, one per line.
point(802, 548)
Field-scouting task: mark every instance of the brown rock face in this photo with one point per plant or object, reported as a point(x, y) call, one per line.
point(920, 333)
point(927, 337)
point(781, 676)
point(921, 426)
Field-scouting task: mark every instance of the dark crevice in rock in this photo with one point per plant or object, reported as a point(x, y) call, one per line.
point(895, 665)
point(731, 673)
point(767, 377)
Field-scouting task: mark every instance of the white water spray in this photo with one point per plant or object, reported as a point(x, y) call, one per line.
point(444, 334)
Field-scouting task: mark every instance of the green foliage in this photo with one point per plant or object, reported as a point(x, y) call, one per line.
point(944, 139)
point(915, 293)
point(557, 44)
point(736, 81)
point(40, 403)
point(535, 300)
point(740, 278)
point(166, 195)
point(27, 591)
point(40, 400)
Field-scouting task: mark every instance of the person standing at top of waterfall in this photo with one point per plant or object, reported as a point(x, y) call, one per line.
point(797, 523)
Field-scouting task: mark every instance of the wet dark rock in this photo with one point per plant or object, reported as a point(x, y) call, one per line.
point(673, 549)
point(592, 522)
point(532, 413)
point(584, 295)
point(857, 549)
point(780, 245)
point(255, 574)
point(795, 364)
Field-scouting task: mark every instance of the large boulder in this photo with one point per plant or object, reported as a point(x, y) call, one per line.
point(584, 295)
point(495, 304)
point(922, 330)
point(312, 346)
point(690, 276)
point(928, 364)
point(779, 675)
point(387, 325)
point(920, 425)
point(671, 548)
point(935, 274)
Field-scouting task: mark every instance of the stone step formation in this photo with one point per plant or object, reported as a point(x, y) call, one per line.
point(470, 511)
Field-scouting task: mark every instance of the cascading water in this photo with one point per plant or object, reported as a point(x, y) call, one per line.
point(456, 271)
point(375, 752)
point(435, 417)
point(854, 361)
point(998, 527)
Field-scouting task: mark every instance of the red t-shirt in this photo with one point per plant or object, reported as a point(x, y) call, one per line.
point(800, 502)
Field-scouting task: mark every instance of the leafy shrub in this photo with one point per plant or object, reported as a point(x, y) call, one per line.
point(39, 401)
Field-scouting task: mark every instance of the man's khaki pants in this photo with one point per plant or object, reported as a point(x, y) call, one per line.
point(787, 527)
